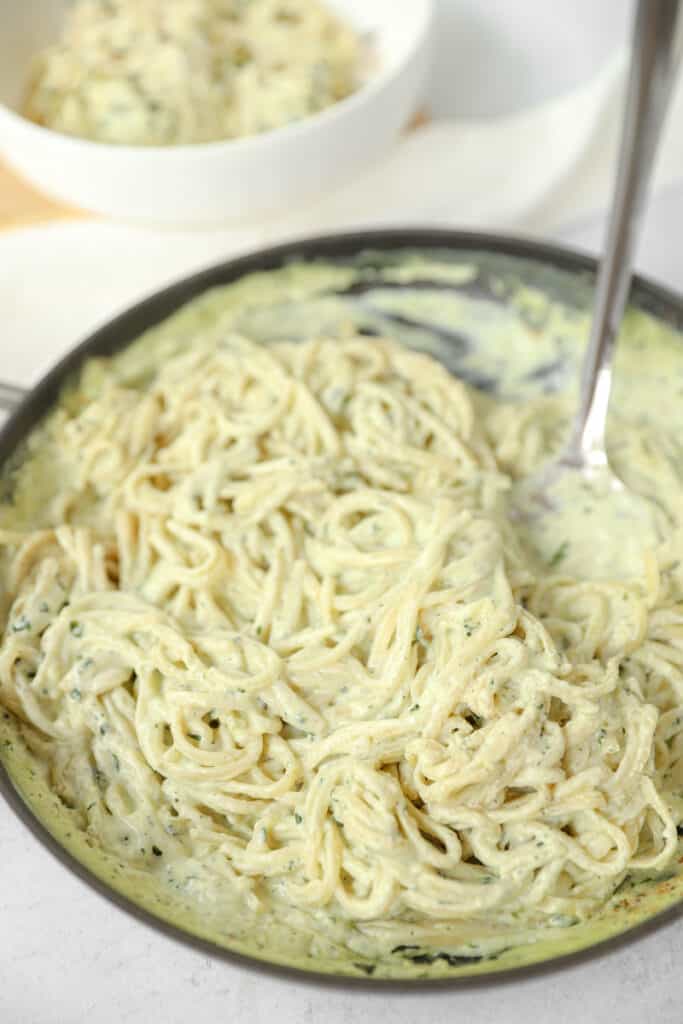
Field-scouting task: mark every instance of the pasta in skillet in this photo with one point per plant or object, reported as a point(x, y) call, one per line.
point(274, 618)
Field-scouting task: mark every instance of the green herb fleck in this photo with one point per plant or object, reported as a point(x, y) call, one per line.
point(559, 554)
point(241, 55)
point(368, 969)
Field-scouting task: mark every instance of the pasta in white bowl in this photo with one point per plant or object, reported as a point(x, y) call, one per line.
point(172, 72)
point(172, 130)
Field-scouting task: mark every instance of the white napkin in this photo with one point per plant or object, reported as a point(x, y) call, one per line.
point(529, 172)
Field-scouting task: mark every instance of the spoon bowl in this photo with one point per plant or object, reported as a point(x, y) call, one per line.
point(581, 478)
point(557, 509)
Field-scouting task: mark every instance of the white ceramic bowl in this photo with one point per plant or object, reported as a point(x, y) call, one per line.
point(217, 181)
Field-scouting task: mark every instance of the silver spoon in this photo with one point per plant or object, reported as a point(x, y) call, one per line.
point(584, 464)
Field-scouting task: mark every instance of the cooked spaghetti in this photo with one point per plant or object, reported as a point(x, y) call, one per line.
point(271, 618)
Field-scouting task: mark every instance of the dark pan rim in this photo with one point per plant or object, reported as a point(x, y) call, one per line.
point(130, 324)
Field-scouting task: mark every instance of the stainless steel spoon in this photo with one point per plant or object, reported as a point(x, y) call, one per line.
point(584, 462)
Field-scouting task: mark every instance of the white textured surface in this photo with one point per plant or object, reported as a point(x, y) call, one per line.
point(69, 957)
point(66, 957)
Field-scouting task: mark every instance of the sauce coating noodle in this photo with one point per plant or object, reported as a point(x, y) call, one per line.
point(274, 620)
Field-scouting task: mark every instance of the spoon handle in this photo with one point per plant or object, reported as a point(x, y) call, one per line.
point(654, 60)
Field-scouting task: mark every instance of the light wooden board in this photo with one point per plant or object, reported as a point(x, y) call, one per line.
point(22, 204)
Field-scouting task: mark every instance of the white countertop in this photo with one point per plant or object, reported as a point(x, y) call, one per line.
point(67, 956)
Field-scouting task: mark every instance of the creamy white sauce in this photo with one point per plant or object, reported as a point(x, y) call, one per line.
point(634, 620)
point(607, 530)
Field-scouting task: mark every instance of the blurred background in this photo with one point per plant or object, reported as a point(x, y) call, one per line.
point(518, 124)
point(502, 56)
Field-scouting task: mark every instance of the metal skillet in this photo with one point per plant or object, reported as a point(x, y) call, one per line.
point(499, 268)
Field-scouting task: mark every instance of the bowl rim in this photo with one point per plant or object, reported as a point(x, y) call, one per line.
point(376, 84)
point(128, 325)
